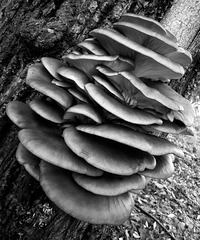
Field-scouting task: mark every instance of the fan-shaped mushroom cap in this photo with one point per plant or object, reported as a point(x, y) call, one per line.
point(86, 110)
point(180, 56)
point(146, 37)
point(52, 91)
point(118, 109)
point(110, 185)
point(52, 148)
point(52, 64)
point(29, 161)
point(107, 155)
point(38, 72)
point(164, 167)
point(148, 23)
point(187, 114)
point(147, 62)
point(145, 142)
point(74, 74)
point(24, 117)
point(60, 187)
point(92, 47)
point(48, 110)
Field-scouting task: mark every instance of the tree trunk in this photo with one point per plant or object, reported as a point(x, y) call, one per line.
point(28, 31)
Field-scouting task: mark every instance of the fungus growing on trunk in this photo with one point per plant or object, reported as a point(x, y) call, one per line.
point(91, 143)
point(61, 188)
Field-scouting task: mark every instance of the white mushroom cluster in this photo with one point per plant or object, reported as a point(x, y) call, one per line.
point(90, 141)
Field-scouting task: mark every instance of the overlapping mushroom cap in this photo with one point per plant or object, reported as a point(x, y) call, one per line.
point(90, 142)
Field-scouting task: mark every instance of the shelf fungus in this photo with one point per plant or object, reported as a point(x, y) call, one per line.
point(90, 140)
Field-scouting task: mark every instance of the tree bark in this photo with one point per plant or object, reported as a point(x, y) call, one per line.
point(28, 31)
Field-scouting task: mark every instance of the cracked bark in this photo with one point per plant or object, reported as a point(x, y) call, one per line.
point(29, 30)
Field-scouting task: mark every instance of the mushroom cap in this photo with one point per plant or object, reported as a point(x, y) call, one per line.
point(164, 167)
point(61, 188)
point(118, 109)
point(146, 37)
point(87, 110)
point(148, 23)
point(187, 114)
point(110, 185)
point(24, 117)
point(107, 155)
point(38, 72)
point(48, 110)
point(135, 139)
point(75, 75)
point(52, 64)
point(52, 148)
point(180, 56)
point(51, 90)
point(29, 161)
point(92, 47)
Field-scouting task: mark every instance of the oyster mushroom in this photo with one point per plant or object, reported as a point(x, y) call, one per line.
point(110, 185)
point(52, 64)
point(75, 75)
point(91, 137)
point(24, 117)
point(51, 90)
point(164, 167)
point(86, 110)
point(92, 47)
point(61, 188)
point(48, 110)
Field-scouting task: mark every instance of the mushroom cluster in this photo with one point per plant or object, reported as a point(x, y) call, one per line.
point(90, 141)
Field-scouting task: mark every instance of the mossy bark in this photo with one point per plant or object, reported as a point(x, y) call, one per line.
point(28, 31)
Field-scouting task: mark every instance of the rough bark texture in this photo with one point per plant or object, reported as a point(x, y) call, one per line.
point(29, 30)
point(183, 20)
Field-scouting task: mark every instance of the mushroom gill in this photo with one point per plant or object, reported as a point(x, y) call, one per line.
point(91, 142)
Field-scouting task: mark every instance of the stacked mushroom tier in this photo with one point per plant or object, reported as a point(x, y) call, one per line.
point(90, 140)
